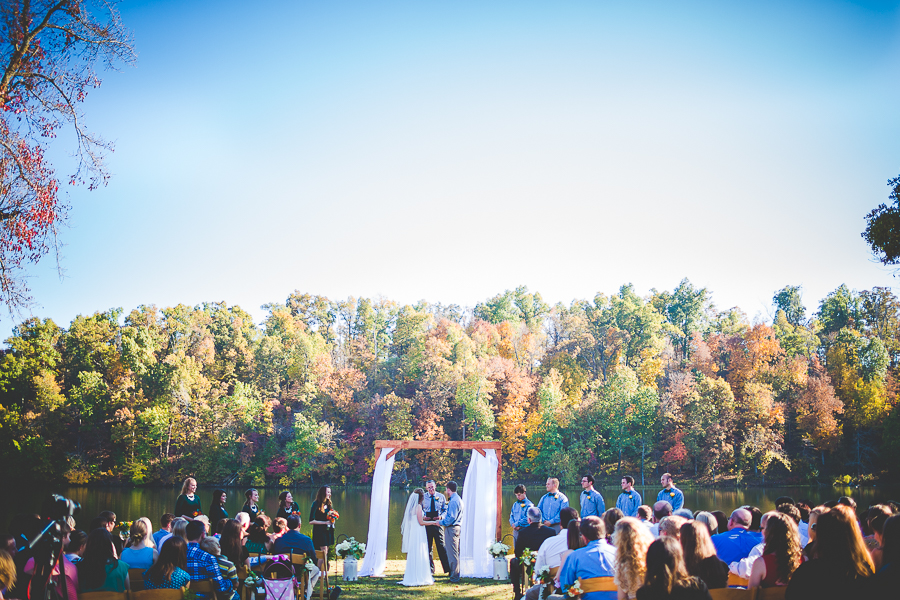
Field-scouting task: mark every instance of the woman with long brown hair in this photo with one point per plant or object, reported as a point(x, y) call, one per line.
point(232, 544)
point(700, 557)
point(168, 570)
point(667, 576)
point(323, 529)
point(781, 554)
point(632, 539)
point(842, 566)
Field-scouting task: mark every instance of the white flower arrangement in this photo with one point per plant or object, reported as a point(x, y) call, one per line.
point(350, 547)
point(544, 575)
point(498, 549)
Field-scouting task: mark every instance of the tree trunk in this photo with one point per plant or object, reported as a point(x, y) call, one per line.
point(642, 461)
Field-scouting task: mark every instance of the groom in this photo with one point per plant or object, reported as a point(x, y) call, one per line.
point(451, 522)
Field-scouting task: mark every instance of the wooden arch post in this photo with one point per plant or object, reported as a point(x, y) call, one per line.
point(480, 447)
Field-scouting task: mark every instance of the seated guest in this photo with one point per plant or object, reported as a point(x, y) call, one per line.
point(139, 552)
point(661, 510)
point(7, 573)
point(177, 526)
point(279, 527)
point(202, 565)
point(211, 545)
point(707, 519)
point(684, 513)
point(755, 519)
point(671, 526)
point(100, 570)
point(296, 542)
point(596, 559)
point(878, 516)
point(168, 572)
point(721, 521)
point(530, 537)
point(75, 547)
point(809, 550)
point(165, 528)
point(842, 568)
point(738, 541)
point(743, 567)
point(644, 513)
point(781, 555)
point(631, 540)
point(232, 544)
point(887, 579)
point(610, 518)
point(574, 542)
point(257, 538)
point(700, 557)
point(550, 551)
point(666, 574)
point(243, 520)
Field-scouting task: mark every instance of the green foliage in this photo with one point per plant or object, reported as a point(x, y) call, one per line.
point(883, 227)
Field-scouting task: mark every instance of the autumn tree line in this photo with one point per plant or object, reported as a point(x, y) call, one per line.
point(616, 384)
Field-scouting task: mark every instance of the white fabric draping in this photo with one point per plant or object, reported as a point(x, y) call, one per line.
point(376, 545)
point(479, 522)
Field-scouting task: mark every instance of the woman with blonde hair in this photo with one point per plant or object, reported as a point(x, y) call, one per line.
point(139, 551)
point(188, 503)
point(700, 557)
point(7, 572)
point(632, 538)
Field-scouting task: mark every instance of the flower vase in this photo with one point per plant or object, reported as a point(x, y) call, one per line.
point(350, 569)
point(501, 568)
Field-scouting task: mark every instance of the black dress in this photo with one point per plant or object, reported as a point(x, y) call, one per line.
point(216, 514)
point(252, 511)
point(295, 510)
point(323, 535)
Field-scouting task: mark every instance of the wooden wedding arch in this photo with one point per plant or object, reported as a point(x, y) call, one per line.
point(480, 447)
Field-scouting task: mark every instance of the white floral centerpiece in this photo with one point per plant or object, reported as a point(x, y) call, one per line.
point(498, 550)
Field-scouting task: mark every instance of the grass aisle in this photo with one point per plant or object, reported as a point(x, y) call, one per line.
point(387, 587)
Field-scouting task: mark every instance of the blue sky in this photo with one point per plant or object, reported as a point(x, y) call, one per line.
point(450, 151)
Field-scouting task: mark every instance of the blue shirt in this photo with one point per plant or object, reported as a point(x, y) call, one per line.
point(518, 516)
point(592, 504)
point(454, 511)
point(736, 544)
point(628, 503)
point(675, 497)
point(597, 559)
point(551, 504)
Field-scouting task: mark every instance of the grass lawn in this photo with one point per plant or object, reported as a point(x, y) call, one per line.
point(387, 586)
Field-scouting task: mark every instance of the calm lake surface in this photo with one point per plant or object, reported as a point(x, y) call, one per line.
point(353, 503)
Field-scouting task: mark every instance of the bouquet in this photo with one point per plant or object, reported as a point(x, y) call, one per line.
point(544, 575)
point(498, 549)
point(528, 558)
point(350, 547)
point(124, 528)
point(574, 590)
point(331, 517)
point(252, 580)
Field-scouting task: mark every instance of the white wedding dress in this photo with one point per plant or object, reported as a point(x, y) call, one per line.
point(415, 546)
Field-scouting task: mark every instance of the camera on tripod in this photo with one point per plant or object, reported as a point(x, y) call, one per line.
point(47, 550)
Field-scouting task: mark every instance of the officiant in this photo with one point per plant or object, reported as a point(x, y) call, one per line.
point(433, 508)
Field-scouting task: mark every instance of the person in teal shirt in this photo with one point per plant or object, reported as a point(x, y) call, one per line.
point(518, 516)
point(670, 493)
point(629, 500)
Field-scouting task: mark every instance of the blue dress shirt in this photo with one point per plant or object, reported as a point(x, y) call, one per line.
point(735, 544)
point(453, 516)
point(628, 503)
point(518, 516)
point(675, 497)
point(597, 559)
point(551, 504)
point(592, 504)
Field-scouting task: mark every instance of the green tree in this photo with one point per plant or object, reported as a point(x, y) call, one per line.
point(883, 225)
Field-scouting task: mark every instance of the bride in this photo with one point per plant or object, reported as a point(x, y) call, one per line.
point(415, 542)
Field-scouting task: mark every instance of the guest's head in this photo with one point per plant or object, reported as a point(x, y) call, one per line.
point(671, 526)
point(840, 545)
point(98, 552)
point(534, 514)
point(631, 538)
point(108, 520)
point(243, 519)
point(220, 524)
point(660, 510)
point(179, 526)
point(566, 515)
point(684, 513)
point(644, 512)
point(696, 545)
point(77, 540)
point(230, 542)
point(784, 500)
point(195, 531)
point(574, 541)
point(890, 541)
point(139, 536)
point(610, 518)
point(783, 540)
point(293, 522)
point(165, 521)
point(205, 520)
point(755, 517)
point(7, 570)
point(814, 515)
point(280, 526)
point(848, 502)
point(878, 515)
point(741, 517)
point(790, 510)
point(721, 520)
point(665, 567)
point(592, 528)
point(708, 520)
point(189, 486)
point(211, 545)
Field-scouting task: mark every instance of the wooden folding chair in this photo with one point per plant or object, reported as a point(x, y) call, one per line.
point(158, 594)
point(299, 560)
point(104, 595)
point(201, 586)
point(771, 593)
point(322, 559)
point(136, 578)
point(733, 594)
point(737, 581)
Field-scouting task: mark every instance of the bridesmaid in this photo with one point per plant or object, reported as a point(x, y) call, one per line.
point(323, 531)
point(286, 506)
point(188, 504)
point(250, 507)
point(217, 507)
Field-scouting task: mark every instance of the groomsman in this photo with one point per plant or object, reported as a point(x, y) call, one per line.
point(551, 503)
point(518, 516)
point(433, 508)
point(451, 522)
point(670, 493)
point(629, 500)
point(592, 503)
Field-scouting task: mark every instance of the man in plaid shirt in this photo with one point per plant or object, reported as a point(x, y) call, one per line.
point(202, 565)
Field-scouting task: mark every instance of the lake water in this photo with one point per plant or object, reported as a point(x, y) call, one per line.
point(353, 503)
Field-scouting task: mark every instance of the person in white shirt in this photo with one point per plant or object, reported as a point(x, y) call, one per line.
point(743, 567)
point(550, 551)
